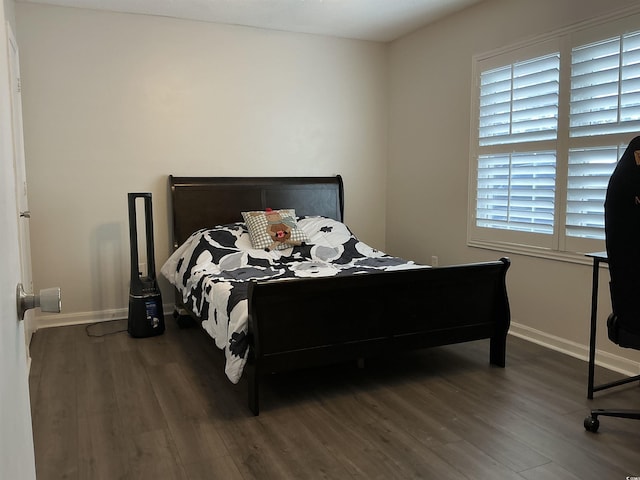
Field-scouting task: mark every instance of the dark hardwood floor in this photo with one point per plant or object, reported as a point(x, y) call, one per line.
point(161, 408)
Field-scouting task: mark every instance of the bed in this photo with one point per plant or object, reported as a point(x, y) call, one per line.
point(327, 299)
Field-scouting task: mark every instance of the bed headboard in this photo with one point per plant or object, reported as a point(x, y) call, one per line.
point(201, 202)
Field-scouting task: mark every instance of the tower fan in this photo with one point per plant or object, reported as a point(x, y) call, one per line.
point(146, 317)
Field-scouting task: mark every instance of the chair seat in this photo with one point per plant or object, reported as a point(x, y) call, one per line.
point(620, 335)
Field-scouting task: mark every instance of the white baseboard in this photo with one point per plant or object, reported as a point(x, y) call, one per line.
point(62, 319)
point(604, 359)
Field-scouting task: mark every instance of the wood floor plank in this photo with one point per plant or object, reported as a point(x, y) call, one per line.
point(473, 462)
point(549, 471)
point(55, 407)
point(101, 449)
point(137, 404)
point(255, 455)
point(175, 394)
point(152, 455)
point(359, 455)
point(197, 441)
point(294, 440)
point(477, 426)
point(95, 382)
point(214, 467)
point(55, 429)
point(421, 419)
point(388, 440)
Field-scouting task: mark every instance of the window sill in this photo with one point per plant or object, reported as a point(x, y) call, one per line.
point(547, 254)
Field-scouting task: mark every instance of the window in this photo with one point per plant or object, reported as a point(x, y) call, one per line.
point(552, 119)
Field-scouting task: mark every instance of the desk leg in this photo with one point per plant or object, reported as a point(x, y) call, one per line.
point(592, 334)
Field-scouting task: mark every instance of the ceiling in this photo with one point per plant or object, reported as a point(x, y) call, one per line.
point(376, 20)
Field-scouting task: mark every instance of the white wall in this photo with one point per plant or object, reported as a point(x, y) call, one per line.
point(428, 166)
point(113, 103)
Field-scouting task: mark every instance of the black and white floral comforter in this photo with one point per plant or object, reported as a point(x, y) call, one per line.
point(213, 267)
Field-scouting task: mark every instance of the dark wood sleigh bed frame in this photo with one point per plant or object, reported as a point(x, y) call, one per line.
point(345, 318)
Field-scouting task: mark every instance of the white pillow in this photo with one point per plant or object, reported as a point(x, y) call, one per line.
point(274, 229)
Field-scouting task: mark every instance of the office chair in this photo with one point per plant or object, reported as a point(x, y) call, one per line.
point(622, 234)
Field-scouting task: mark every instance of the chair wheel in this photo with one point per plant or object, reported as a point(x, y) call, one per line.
point(591, 424)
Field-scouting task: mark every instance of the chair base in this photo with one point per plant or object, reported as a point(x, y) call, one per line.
point(592, 423)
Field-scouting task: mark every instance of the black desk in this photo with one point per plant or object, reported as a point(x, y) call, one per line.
point(598, 257)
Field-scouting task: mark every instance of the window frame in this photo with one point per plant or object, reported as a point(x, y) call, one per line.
point(558, 245)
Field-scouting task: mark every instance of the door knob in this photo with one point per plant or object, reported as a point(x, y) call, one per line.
point(48, 300)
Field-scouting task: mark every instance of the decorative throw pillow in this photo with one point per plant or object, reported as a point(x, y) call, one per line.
point(274, 229)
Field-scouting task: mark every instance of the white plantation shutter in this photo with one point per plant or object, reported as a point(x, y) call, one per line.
point(516, 191)
point(605, 87)
point(519, 102)
point(605, 100)
point(588, 177)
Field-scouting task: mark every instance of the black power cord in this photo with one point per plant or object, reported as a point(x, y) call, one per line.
point(91, 334)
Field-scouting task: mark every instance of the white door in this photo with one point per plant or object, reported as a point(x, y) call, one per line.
point(21, 178)
point(16, 438)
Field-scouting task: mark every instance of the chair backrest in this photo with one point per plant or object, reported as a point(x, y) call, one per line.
point(622, 229)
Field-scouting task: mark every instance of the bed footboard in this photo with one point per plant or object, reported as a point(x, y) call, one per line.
point(317, 321)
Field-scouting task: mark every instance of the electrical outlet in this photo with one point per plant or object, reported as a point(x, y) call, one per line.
point(434, 260)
